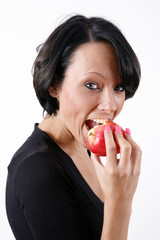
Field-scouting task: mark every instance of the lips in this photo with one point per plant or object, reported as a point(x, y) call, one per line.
point(91, 123)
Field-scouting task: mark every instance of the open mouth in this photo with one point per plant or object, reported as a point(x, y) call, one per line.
point(91, 123)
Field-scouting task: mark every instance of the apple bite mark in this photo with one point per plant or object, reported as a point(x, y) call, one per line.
point(91, 132)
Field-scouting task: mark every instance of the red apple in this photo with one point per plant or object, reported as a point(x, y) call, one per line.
point(96, 141)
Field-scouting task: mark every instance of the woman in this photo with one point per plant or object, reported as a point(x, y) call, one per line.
point(84, 72)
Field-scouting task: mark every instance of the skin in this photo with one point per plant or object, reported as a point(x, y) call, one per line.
point(92, 89)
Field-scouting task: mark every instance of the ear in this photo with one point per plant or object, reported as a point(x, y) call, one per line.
point(53, 92)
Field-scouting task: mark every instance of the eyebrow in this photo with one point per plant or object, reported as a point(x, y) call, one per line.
point(93, 73)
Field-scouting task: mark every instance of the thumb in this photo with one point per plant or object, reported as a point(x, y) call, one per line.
point(96, 161)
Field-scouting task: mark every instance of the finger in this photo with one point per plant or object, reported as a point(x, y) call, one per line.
point(96, 159)
point(125, 149)
point(136, 154)
point(110, 147)
point(97, 163)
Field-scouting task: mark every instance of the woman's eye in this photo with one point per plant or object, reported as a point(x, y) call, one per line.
point(91, 85)
point(119, 88)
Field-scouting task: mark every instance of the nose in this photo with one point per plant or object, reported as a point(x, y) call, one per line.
point(107, 103)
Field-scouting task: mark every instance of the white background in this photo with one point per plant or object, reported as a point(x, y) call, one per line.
point(26, 24)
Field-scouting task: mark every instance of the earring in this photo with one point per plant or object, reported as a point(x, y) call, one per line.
point(52, 91)
point(54, 94)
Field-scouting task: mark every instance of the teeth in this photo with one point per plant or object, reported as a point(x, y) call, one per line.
point(102, 121)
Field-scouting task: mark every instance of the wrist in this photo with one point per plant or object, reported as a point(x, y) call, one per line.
point(118, 209)
point(116, 221)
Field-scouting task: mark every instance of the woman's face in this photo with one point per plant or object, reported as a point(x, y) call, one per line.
point(91, 90)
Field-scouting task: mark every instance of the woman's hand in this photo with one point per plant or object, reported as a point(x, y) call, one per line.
point(118, 180)
point(119, 177)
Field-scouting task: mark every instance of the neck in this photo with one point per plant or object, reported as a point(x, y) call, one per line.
point(51, 125)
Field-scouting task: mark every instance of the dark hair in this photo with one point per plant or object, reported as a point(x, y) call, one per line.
point(54, 55)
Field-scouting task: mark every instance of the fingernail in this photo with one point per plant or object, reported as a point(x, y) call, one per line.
point(107, 128)
point(128, 131)
point(118, 129)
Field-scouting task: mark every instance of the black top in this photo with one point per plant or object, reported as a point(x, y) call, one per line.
point(47, 197)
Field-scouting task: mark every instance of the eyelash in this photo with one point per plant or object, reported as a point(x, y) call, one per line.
point(89, 85)
point(119, 88)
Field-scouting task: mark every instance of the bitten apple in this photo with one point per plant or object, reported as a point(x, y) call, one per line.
point(96, 141)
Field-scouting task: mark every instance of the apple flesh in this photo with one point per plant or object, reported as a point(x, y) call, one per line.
point(96, 140)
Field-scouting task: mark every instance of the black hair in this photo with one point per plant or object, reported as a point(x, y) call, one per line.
point(55, 53)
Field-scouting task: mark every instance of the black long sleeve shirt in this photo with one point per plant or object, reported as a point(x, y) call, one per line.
point(47, 197)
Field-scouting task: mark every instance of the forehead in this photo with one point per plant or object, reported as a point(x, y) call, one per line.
point(94, 56)
point(92, 49)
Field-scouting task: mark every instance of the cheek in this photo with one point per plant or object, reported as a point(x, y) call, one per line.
point(120, 102)
point(70, 104)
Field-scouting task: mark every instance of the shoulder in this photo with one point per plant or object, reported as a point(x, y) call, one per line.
point(40, 166)
point(41, 170)
point(38, 177)
point(37, 168)
point(35, 157)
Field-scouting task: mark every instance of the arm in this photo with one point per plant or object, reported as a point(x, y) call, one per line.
point(47, 201)
point(118, 180)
